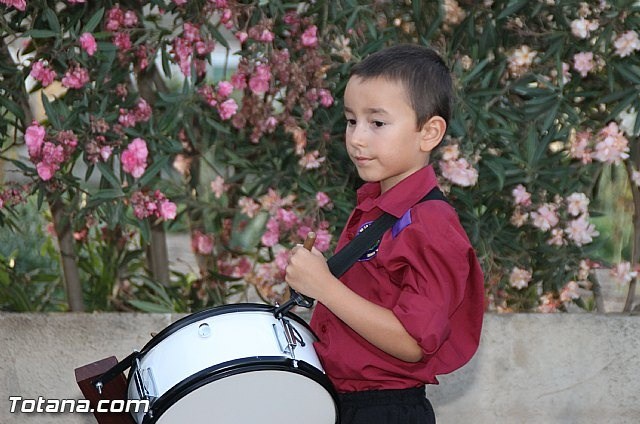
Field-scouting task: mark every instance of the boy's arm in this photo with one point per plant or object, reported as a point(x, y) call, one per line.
point(309, 274)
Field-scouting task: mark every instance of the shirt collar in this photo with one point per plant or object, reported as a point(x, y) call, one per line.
point(400, 197)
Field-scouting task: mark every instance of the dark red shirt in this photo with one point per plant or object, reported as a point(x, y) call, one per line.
point(426, 272)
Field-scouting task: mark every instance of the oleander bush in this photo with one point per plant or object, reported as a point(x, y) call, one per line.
point(123, 121)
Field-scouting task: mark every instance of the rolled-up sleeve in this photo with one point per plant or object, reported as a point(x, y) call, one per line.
point(435, 272)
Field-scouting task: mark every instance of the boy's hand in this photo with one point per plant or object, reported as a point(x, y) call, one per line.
point(307, 271)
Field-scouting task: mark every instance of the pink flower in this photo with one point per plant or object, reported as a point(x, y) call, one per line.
point(581, 231)
point(127, 118)
point(105, 152)
point(309, 36)
point(114, 19)
point(201, 244)
point(569, 292)
point(519, 278)
point(46, 171)
point(259, 81)
point(545, 217)
point(322, 199)
point(239, 80)
point(288, 218)
point(122, 41)
point(76, 1)
point(582, 27)
point(75, 77)
point(323, 240)
point(167, 209)
point(18, 4)
point(613, 146)
point(521, 196)
point(583, 63)
point(142, 111)
point(577, 204)
point(41, 72)
point(248, 206)
point(34, 138)
point(242, 36)
point(227, 109)
point(225, 88)
point(88, 43)
point(134, 158)
point(218, 187)
point(624, 273)
point(627, 43)
point(326, 99)
point(459, 172)
point(311, 160)
point(270, 238)
point(180, 2)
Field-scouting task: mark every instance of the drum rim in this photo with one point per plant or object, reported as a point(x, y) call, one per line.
point(235, 367)
point(214, 311)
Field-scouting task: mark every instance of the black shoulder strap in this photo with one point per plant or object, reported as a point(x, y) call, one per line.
point(348, 255)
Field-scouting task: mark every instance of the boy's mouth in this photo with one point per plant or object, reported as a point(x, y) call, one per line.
point(361, 160)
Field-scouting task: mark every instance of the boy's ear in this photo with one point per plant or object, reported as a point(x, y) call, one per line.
point(432, 132)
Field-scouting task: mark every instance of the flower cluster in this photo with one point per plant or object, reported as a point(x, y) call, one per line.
point(41, 71)
point(75, 77)
point(285, 84)
point(18, 4)
point(609, 145)
point(121, 24)
point(49, 153)
point(457, 169)
point(140, 113)
point(190, 48)
point(152, 205)
point(546, 217)
point(134, 158)
point(12, 196)
point(219, 98)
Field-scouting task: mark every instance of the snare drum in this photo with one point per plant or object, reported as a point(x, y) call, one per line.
point(233, 364)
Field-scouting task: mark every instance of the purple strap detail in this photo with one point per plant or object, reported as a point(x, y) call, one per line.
point(401, 223)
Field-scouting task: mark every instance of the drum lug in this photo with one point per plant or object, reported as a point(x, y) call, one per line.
point(292, 337)
point(145, 383)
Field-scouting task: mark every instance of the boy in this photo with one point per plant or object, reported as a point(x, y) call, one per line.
point(412, 307)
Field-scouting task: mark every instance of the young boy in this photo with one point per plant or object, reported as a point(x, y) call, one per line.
point(412, 307)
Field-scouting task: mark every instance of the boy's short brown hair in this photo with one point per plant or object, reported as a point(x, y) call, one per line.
point(421, 71)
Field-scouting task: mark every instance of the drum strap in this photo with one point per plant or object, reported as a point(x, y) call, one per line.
point(348, 255)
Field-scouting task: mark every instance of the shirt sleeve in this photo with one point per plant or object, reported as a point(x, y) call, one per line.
point(434, 272)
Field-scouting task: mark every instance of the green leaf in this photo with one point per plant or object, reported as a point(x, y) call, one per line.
point(41, 33)
point(152, 171)
point(108, 174)
point(150, 307)
point(52, 20)
point(94, 21)
point(513, 7)
point(53, 117)
point(12, 107)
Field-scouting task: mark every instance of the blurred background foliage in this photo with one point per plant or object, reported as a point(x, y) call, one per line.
point(239, 104)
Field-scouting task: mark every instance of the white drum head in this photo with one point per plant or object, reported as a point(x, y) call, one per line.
point(264, 397)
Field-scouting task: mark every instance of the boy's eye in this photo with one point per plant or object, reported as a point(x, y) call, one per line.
point(351, 122)
point(378, 124)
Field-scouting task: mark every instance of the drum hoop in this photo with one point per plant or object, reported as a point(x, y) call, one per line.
point(211, 312)
point(235, 367)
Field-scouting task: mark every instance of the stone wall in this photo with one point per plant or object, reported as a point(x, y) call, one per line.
point(530, 368)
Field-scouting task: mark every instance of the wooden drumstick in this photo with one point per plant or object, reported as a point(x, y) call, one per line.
point(310, 240)
point(296, 298)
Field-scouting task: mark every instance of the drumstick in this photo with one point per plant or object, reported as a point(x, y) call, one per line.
point(295, 297)
point(309, 241)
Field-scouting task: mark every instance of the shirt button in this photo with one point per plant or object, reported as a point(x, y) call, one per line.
point(323, 328)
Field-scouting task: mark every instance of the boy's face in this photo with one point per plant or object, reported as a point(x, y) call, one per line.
point(382, 137)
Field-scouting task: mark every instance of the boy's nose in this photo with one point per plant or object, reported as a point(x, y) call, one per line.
point(357, 136)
